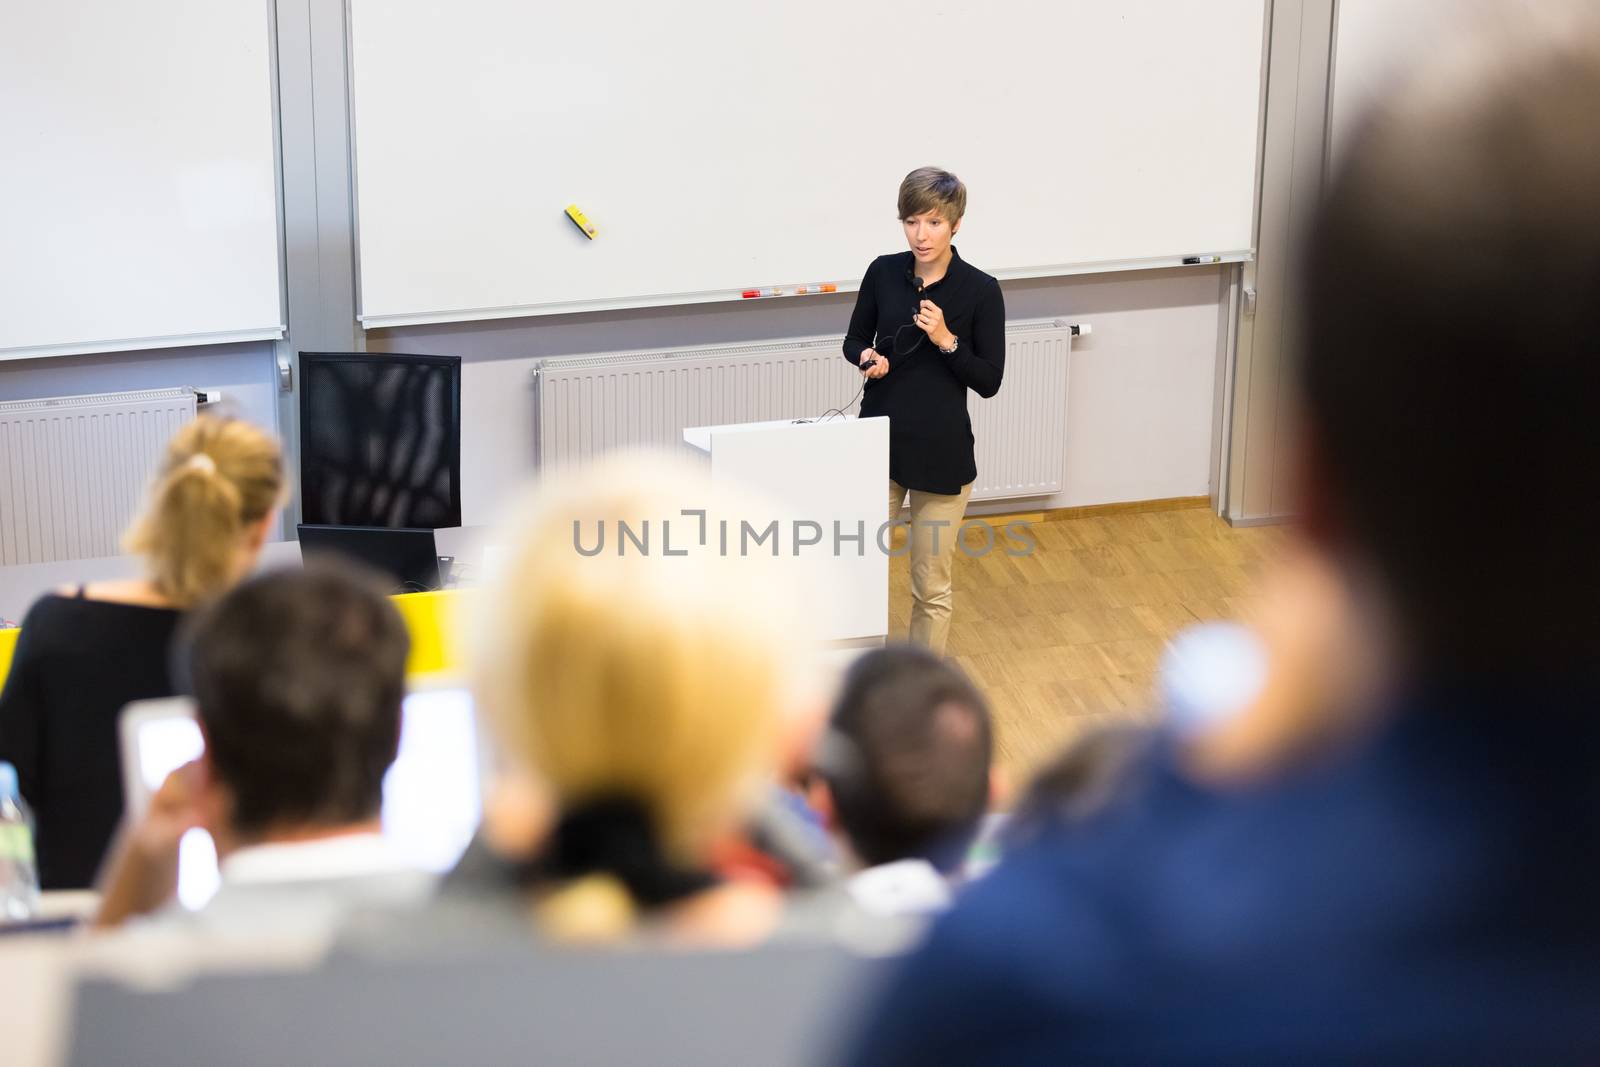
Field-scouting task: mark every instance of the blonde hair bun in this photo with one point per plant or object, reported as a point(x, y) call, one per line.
point(217, 478)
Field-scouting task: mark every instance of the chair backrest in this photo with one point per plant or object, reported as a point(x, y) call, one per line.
point(776, 1006)
point(380, 439)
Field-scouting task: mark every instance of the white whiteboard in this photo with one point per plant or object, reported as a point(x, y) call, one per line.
point(138, 196)
point(719, 146)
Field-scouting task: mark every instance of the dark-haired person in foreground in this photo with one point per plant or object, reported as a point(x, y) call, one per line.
point(902, 778)
point(1400, 871)
point(298, 678)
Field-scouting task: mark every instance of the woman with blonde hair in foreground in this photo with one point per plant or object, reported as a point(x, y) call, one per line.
point(639, 687)
point(87, 650)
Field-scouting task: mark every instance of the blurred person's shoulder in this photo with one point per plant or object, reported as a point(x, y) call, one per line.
point(1409, 845)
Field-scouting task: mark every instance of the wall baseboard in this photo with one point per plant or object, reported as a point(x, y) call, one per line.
point(1126, 507)
point(1258, 520)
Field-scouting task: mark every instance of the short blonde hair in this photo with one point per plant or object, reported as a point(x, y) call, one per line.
point(932, 189)
point(218, 477)
point(644, 676)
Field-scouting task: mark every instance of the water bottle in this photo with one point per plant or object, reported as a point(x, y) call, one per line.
point(19, 876)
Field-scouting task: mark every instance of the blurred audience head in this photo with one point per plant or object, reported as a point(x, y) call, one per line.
point(903, 770)
point(215, 496)
point(640, 686)
point(1450, 358)
point(299, 677)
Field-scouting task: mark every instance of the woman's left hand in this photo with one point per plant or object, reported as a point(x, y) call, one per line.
point(931, 320)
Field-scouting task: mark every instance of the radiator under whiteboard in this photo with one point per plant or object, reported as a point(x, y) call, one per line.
point(73, 468)
point(586, 405)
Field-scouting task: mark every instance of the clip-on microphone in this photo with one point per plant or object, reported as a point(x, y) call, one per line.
point(915, 280)
point(916, 309)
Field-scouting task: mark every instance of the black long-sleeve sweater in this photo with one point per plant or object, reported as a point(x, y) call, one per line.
point(78, 662)
point(925, 392)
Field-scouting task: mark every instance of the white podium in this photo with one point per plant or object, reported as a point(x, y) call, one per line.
point(824, 480)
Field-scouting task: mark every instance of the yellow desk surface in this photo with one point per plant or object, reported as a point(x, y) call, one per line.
point(8, 645)
point(434, 620)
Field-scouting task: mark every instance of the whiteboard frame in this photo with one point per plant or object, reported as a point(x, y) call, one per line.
point(264, 332)
point(144, 344)
point(578, 307)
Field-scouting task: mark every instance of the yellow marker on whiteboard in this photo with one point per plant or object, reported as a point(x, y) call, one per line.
point(581, 221)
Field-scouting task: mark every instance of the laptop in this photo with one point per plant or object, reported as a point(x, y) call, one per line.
point(407, 556)
point(432, 795)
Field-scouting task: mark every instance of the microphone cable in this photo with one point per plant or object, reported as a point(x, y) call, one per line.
point(846, 406)
point(915, 281)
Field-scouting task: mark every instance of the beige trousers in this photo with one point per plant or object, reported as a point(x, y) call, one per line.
point(935, 526)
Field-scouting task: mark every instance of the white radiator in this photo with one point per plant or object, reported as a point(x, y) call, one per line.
point(585, 405)
point(73, 469)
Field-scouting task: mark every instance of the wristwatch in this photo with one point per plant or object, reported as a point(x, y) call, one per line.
point(955, 342)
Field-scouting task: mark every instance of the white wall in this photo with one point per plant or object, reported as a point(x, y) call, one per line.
point(1140, 389)
point(244, 373)
point(1329, 61)
point(1377, 42)
point(1139, 416)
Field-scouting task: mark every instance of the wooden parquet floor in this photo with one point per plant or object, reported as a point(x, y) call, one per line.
point(1072, 634)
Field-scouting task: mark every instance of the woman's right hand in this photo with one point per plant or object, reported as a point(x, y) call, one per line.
point(873, 365)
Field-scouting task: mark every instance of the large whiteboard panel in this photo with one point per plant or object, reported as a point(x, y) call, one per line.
point(138, 194)
point(721, 145)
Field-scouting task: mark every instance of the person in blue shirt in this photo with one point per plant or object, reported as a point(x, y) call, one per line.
point(1389, 855)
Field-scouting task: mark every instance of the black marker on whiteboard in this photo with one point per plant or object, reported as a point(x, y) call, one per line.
point(1191, 260)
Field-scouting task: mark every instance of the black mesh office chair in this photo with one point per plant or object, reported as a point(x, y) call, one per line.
point(380, 440)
